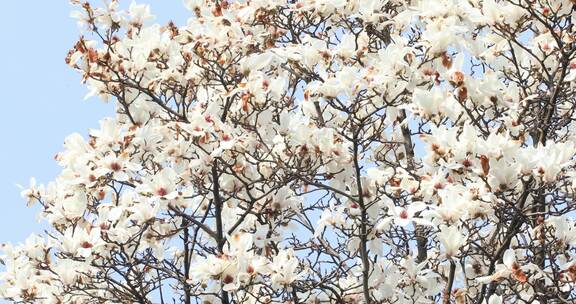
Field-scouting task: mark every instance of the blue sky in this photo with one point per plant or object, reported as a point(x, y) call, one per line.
point(42, 99)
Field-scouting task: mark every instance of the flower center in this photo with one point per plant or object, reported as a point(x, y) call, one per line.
point(161, 192)
point(404, 214)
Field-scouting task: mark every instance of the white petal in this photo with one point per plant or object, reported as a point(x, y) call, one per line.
point(509, 258)
point(495, 299)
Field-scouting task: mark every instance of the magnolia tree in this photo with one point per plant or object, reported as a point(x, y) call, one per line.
point(315, 151)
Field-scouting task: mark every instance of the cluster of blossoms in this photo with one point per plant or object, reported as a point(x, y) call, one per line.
point(315, 151)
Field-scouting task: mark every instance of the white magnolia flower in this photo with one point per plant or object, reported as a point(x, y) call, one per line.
point(74, 205)
point(284, 269)
point(451, 239)
point(404, 216)
point(140, 13)
point(509, 268)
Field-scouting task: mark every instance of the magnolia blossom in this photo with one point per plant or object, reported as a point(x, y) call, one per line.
point(451, 239)
point(313, 151)
point(404, 216)
point(509, 268)
point(284, 269)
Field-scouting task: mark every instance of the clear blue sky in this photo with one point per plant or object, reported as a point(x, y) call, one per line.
point(42, 99)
